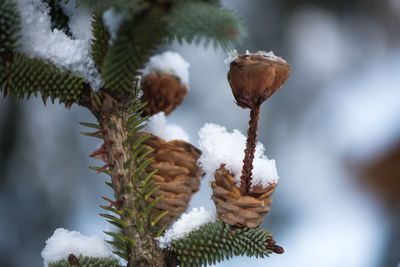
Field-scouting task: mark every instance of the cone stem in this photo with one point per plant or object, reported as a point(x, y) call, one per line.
point(247, 169)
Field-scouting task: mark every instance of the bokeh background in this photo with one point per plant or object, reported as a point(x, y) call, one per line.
point(334, 131)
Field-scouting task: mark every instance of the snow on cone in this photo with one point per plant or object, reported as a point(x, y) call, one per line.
point(236, 208)
point(178, 175)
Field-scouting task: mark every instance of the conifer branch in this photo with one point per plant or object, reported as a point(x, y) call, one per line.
point(26, 76)
point(9, 35)
point(136, 41)
point(193, 21)
point(100, 41)
point(87, 262)
point(126, 158)
point(216, 242)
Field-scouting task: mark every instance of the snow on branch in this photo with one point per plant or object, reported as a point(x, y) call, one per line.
point(39, 41)
point(187, 223)
point(64, 242)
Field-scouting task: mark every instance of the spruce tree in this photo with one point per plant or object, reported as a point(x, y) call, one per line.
point(118, 111)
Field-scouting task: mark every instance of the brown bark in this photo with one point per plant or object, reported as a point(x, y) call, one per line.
point(145, 252)
point(247, 169)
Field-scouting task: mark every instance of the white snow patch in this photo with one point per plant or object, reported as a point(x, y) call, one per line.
point(233, 55)
point(187, 223)
point(270, 55)
point(64, 242)
point(112, 20)
point(169, 62)
point(221, 147)
point(158, 125)
point(80, 20)
point(38, 40)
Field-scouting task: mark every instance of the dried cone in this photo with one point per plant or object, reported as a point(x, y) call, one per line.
point(236, 208)
point(162, 92)
point(254, 77)
point(178, 175)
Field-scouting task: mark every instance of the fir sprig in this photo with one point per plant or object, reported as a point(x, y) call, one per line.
point(216, 242)
point(88, 262)
point(196, 21)
point(100, 41)
point(29, 76)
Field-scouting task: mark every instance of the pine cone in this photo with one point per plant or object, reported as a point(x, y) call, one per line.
point(255, 77)
point(178, 175)
point(237, 209)
point(162, 92)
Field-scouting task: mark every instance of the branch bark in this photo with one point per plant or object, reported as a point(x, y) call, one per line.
point(145, 252)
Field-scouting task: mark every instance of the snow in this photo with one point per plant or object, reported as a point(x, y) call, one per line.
point(222, 147)
point(187, 223)
point(64, 242)
point(270, 55)
point(80, 20)
point(169, 62)
point(233, 55)
point(38, 40)
point(158, 125)
point(112, 19)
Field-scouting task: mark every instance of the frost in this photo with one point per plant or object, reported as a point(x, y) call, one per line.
point(64, 242)
point(158, 125)
point(233, 55)
point(169, 62)
point(221, 147)
point(187, 223)
point(270, 55)
point(38, 40)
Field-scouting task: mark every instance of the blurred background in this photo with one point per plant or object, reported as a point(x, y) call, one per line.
point(334, 130)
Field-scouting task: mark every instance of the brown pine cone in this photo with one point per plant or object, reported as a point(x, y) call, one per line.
point(162, 92)
point(237, 209)
point(178, 175)
point(254, 77)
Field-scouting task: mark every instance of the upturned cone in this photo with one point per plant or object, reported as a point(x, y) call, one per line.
point(237, 208)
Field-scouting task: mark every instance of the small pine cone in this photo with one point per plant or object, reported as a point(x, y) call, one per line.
point(178, 175)
point(254, 77)
point(162, 92)
point(237, 209)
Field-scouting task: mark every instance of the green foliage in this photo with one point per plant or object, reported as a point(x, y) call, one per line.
point(194, 21)
point(138, 37)
point(29, 76)
point(88, 262)
point(136, 41)
point(215, 242)
point(127, 7)
point(21, 76)
point(59, 20)
point(9, 28)
point(101, 37)
point(141, 185)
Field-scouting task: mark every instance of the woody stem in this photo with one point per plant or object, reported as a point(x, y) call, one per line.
point(247, 169)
